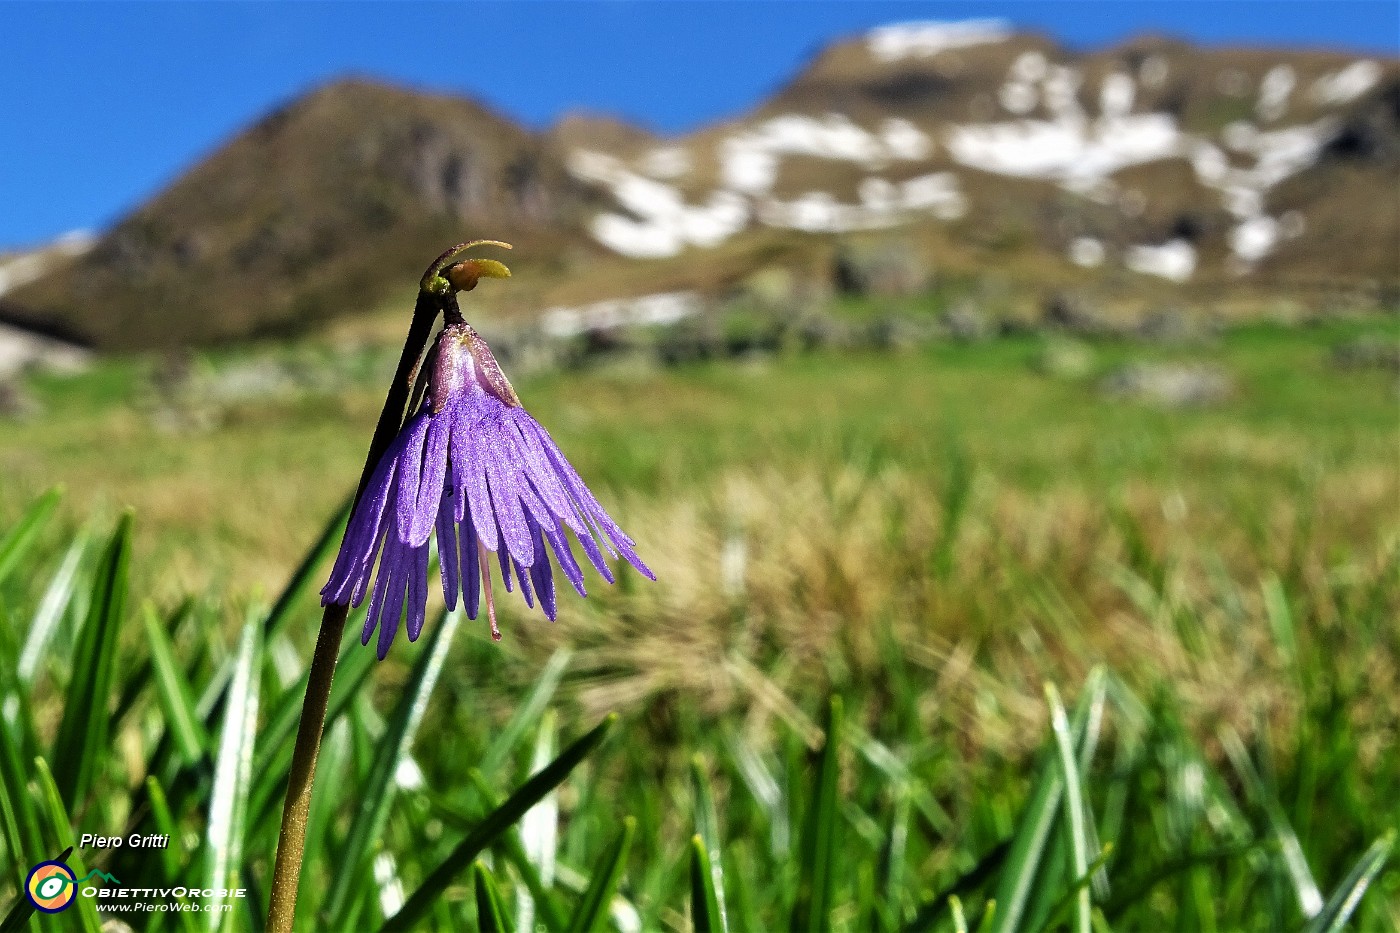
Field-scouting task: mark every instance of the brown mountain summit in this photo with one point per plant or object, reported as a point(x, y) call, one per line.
point(1156, 165)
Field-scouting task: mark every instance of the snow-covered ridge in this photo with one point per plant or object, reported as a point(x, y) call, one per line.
point(26, 267)
point(926, 39)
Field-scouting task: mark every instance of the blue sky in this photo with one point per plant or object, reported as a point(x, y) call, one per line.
point(101, 104)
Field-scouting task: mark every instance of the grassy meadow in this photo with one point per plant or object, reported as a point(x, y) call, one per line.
point(1089, 662)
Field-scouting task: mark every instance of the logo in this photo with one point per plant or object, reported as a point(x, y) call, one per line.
point(51, 886)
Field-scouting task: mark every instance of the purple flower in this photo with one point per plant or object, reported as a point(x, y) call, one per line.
point(474, 466)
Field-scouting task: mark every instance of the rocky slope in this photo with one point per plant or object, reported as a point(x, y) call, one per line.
point(915, 154)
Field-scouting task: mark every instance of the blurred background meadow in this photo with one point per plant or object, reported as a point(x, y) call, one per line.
point(1007, 399)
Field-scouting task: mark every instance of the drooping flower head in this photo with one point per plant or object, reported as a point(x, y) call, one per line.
point(474, 467)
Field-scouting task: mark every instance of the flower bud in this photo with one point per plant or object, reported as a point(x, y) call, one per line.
point(464, 275)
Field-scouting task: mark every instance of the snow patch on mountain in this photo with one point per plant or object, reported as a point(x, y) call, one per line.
point(883, 204)
point(659, 309)
point(1175, 260)
point(1346, 85)
point(1086, 251)
point(1072, 151)
point(1254, 238)
point(666, 163)
point(926, 39)
point(662, 224)
point(1277, 154)
point(1116, 95)
point(1274, 91)
point(750, 159)
point(23, 268)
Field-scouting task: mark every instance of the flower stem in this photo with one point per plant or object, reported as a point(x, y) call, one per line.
point(291, 845)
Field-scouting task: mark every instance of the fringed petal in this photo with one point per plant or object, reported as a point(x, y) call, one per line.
point(478, 496)
point(391, 612)
point(503, 558)
point(417, 591)
point(590, 507)
point(412, 436)
point(505, 501)
point(471, 566)
point(542, 573)
point(559, 540)
point(425, 465)
point(363, 532)
point(448, 562)
point(541, 472)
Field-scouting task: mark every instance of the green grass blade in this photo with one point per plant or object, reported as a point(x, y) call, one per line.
point(376, 794)
point(328, 540)
point(891, 877)
point(80, 745)
point(1339, 907)
point(1079, 842)
point(1071, 895)
point(57, 597)
point(1022, 864)
point(335, 750)
point(62, 828)
point(1135, 890)
point(989, 917)
point(1304, 886)
point(16, 544)
point(817, 881)
point(176, 698)
point(19, 815)
point(354, 666)
point(527, 713)
point(138, 678)
point(1021, 873)
point(766, 791)
point(955, 907)
point(503, 817)
point(14, 694)
point(490, 915)
point(539, 835)
point(707, 826)
point(593, 908)
point(536, 894)
point(165, 823)
point(1090, 712)
point(1280, 618)
point(274, 757)
point(705, 912)
point(233, 767)
point(169, 859)
point(15, 848)
point(989, 865)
